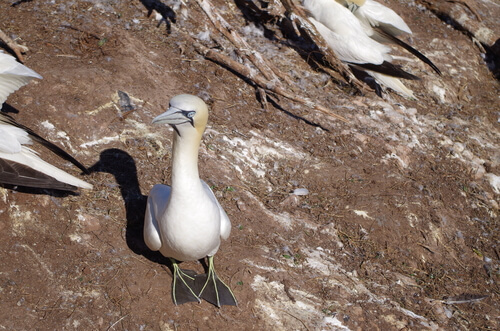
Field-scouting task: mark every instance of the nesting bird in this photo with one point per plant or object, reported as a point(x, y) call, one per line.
point(356, 30)
point(20, 165)
point(184, 221)
point(383, 24)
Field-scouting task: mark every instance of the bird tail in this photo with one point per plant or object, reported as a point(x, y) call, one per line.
point(388, 69)
point(29, 158)
point(17, 174)
point(393, 83)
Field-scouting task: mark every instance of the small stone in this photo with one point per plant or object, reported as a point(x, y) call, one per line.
point(301, 191)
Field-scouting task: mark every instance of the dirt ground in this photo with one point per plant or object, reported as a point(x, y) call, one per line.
point(398, 228)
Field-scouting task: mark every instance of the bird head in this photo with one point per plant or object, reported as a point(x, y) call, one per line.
point(185, 113)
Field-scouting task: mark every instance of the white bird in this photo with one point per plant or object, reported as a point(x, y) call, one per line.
point(383, 24)
point(20, 165)
point(348, 38)
point(184, 221)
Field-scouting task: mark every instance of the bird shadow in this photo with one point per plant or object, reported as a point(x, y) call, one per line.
point(252, 13)
point(122, 166)
point(296, 39)
point(492, 58)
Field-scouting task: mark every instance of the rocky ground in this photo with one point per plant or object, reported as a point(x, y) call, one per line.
point(386, 221)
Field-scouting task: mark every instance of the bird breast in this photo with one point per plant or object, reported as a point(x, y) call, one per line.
point(190, 227)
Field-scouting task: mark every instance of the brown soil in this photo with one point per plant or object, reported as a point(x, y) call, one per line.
point(399, 229)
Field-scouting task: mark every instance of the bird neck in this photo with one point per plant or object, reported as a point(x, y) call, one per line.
point(185, 161)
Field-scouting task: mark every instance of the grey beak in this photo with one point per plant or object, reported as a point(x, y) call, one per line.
point(173, 116)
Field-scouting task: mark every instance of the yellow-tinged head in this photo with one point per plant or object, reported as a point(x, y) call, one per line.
point(185, 112)
point(358, 2)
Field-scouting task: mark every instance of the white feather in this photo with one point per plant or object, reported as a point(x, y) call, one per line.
point(13, 75)
point(353, 49)
point(393, 83)
point(12, 139)
point(344, 34)
point(375, 14)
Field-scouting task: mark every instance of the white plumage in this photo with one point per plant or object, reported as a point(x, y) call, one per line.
point(184, 221)
point(186, 225)
point(383, 24)
point(13, 75)
point(20, 165)
point(355, 31)
point(344, 33)
point(373, 14)
point(348, 38)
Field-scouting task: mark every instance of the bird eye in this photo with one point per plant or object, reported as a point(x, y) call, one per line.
point(190, 114)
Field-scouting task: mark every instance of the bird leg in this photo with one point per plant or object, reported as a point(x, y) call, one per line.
point(214, 290)
point(182, 285)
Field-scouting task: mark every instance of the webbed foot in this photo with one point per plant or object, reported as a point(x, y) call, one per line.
point(212, 289)
point(182, 285)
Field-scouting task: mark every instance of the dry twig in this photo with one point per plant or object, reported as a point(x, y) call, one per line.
point(267, 77)
point(241, 45)
point(18, 49)
point(261, 81)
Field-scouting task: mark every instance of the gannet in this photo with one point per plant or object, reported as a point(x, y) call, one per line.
point(184, 221)
point(345, 35)
point(384, 25)
point(20, 165)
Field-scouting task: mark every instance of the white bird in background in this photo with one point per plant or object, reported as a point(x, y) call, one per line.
point(383, 24)
point(20, 165)
point(184, 221)
point(355, 42)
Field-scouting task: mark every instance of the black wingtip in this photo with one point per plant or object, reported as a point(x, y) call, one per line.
point(389, 69)
point(367, 79)
point(57, 150)
point(412, 50)
point(50, 146)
